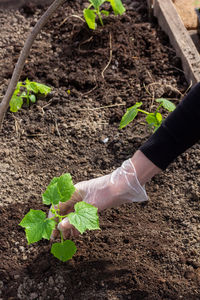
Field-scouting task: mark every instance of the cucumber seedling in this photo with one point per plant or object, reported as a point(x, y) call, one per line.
point(94, 11)
point(154, 119)
point(27, 91)
point(38, 226)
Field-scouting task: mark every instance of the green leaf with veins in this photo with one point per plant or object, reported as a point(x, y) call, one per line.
point(32, 98)
point(158, 118)
point(52, 195)
point(154, 119)
point(65, 188)
point(37, 87)
point(15, 103)
point(90, 17)
point(85, 217)
point(32, 87)
point(60, 189)
point(130, 115)
point(42, 88)
point(97, 3)
point(117, 7)
point(37, 226)
point(168, 105)
point(64, 251)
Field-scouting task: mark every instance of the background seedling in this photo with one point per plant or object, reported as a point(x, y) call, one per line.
point(94, 11)
point(27, 90)
point(38, 226)
point(24, 55)
point(154, 120)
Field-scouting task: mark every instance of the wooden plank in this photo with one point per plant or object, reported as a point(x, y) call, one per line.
point(171, 23)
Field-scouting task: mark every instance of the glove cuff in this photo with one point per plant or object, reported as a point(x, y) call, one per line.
point(133, 190)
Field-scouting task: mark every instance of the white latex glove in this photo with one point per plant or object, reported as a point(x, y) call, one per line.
point(119, 187)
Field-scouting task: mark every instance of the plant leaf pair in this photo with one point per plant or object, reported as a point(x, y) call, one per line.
point(60, 189)
point(154, 119)
point(29, 90)
point(91, 14)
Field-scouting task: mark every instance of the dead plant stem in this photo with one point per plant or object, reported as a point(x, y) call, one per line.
point(110, 59)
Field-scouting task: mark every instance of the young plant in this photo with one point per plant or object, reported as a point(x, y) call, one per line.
point(154, 120)
point(94, 11)
point(38, 226)
point(27, 91)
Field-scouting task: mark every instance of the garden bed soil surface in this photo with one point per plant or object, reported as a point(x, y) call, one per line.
point(143, 251)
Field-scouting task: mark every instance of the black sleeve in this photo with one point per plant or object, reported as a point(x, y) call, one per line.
point(178, 132)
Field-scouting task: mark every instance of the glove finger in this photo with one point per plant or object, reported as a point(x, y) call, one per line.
point(74, 232)
point(67, 229)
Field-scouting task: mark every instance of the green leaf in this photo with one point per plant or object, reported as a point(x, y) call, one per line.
point(117, 7)
point(64, 251)
point(37, 226)
point(27, 82)
point(130, 115)
point(85, 217)
point(15, 103)
point(32, 98)
point(24, 94)
point(19, 84)
point(154, 119)
point(32, 87)
point(90, 17)
point(168, 105)
point(151, 119)
point(159, 118)
point(52, 195)
point(42, 88)
point(105, 12)
point(37, 87)
point(60, 189)
point(65, 185)
point(17, 90)
point(97, 3)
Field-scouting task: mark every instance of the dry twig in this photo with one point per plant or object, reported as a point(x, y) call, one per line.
point(102, 107)
point(72, 16)
point(110, 59)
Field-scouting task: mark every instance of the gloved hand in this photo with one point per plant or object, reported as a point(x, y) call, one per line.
point(112, 190)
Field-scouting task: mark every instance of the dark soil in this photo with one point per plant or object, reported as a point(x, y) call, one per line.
point(143, 251)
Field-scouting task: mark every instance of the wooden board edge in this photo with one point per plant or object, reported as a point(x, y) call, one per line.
point(172, 25)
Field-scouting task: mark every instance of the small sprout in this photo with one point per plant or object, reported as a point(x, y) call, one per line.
point(154, 120)
point(27, 90)
point(38, 226)
point(93, 11)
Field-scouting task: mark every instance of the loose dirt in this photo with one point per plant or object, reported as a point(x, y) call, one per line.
point(143, 251)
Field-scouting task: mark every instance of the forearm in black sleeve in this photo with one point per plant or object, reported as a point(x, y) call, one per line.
point(178, 132)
